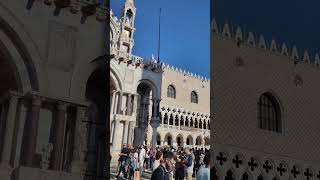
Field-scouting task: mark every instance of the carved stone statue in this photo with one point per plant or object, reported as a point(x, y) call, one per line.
point(46, 154)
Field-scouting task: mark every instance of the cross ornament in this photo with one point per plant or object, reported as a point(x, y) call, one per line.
point(295, 171)
point(237, 161)
point(281, 169)
point(267, 166)
point(221, 158)
point(308, 173)
point(252, 163)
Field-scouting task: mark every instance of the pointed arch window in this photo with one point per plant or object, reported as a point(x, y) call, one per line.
point(171, 92)
point(269, 113)
point(194, 97)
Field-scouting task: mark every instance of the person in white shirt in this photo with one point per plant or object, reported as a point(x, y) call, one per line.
point(142, 155)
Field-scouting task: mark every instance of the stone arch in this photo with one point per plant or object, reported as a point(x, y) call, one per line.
point(186, 122)
point(199, 140)
point(200, 123)
point(115, 77)
point(96, 95)
point(176, 120)
point(191, 124)
point(207, 141)
point(196, 125)
point(168, 138)
point(158, 139)
point(155, 91)
point(171, 119)
point(165, 118)
point(189, 140)
point(179, 140)
point(19, 55)
point(182, 120)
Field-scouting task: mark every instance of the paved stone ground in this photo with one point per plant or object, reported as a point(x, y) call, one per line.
point(146, 174)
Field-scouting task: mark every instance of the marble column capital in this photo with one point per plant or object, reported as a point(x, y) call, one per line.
point(62, 106)
point(36, 100)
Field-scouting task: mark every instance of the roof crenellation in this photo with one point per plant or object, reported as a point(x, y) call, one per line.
point(251, 39)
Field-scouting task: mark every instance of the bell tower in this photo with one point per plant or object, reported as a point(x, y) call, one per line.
point(126, 41)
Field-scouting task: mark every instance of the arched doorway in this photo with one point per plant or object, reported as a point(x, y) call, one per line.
point(158, 139)
point(144, 109)
point(206, 141)
point(189, 140)
point(98, 134)
point(179, 140)
point(168, 139)
point(199, 141)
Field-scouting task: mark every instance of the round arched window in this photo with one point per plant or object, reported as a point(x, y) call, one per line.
point(194, 97)
point(269, 113)
point(171, 92)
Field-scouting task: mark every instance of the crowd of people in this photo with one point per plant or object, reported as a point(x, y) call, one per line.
point(164, 163)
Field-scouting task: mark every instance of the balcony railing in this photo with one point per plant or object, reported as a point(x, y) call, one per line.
point(183, 128)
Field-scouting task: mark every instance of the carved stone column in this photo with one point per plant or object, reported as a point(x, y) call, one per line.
point(58, 136)
point(113, 105)
point(155, 123)
point(20, 126)
point(131, 129)
point(117, 136)
point(129, 105)
point(31, 134)
point(9, 130)
point(119, 104)
point(135, 105)
point(77, 150)
point(125, 132)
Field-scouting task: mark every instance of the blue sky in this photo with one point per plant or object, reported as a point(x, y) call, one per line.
point(291, 21)
point(185, 35)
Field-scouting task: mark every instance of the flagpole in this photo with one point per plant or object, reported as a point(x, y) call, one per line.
point(159, 36)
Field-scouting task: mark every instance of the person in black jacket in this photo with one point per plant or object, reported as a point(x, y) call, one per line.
point(163, 172)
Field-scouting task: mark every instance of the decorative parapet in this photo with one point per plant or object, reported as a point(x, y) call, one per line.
point(185, 112)
point(129, 59)
point(253, 40)
point(99, 8)
point(184, 72)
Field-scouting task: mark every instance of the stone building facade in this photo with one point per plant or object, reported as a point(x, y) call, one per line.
point(265, 100)
point(52, 90)
point(150, 100)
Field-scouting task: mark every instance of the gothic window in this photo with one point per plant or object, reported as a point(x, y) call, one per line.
point(205, 125)
point(191, 122)
point(269, 113)
point(176, 121)
point(171, 120)
point(200, 124)
point(186, 122)
point(208, 125)
point(196, 123)
point(194, 97)
point(171, 92)
point(165, 119)
point(181, 121)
